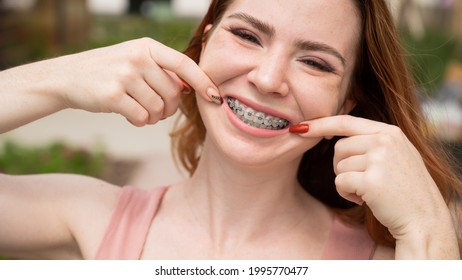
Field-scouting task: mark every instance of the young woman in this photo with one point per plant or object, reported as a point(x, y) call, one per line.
point(306, 142)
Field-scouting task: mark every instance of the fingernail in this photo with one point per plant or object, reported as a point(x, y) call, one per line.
point(214, 96)
point(358, 201)
point(186, 88)
point(299, 128)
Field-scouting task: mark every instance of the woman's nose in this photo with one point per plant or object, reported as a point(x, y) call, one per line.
point(269, 74)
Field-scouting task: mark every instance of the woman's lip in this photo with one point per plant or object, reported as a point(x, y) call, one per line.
point(262, 108)
point(250, 130)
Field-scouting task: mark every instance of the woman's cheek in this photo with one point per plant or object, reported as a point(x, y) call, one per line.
point(211, 68)
point(223, 59)
point(215, 60)
point(320, 101)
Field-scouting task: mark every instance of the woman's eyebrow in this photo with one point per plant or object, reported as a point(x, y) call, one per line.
point(255, 22)
point(269, 30)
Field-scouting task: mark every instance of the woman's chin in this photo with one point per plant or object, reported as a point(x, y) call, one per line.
point(247, 153)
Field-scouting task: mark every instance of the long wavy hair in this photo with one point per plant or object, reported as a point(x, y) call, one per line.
point(384, 90)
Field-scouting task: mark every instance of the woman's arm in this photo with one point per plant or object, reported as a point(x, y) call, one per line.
point(64, 216)
point(138, 79)
point(53, 216)
point(28, 93)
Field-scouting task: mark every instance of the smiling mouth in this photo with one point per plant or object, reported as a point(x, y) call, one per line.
point(254, 118)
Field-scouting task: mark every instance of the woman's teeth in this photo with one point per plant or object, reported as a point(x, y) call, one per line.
point(256, 119)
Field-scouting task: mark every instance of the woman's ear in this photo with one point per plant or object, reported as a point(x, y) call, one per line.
point(348, 105)
point(207, 28)
point(350, 101)
point(205, 36)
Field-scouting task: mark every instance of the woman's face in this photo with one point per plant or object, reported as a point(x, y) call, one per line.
point(277, 63)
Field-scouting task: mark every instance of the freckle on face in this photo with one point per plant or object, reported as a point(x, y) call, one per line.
point(225, 61)
point(228, 60)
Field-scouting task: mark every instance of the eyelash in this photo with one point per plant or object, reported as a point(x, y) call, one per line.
point(321, 66)
point(247, 36)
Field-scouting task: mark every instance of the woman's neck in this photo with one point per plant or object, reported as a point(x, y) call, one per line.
point(237, 203)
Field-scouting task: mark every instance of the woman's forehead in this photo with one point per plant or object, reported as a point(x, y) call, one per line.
point(333, 22)
point(300, 11)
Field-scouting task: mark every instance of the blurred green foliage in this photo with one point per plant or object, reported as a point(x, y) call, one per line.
point(30, 39)
point(172, 32)
point(53, 158)
point(429, 56)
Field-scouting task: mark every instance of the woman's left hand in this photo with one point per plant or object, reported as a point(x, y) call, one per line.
point(376, 164)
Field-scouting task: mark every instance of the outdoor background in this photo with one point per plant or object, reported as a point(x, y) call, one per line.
point(107, 146)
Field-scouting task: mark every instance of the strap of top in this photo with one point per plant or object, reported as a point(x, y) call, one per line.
point(348, 242)
point(129, 225)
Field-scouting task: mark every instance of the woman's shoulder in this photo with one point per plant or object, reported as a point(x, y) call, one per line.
point(102, 204)
point(61, 190)
point(86, 204)
point(69, 205)
point(75, 192)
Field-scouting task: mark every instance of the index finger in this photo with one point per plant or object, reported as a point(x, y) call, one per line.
point(186, 69)
point(342, 125)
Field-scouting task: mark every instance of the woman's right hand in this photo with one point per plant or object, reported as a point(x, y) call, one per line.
point(139, 79)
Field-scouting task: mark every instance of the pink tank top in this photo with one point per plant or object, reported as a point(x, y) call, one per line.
point(129, 226)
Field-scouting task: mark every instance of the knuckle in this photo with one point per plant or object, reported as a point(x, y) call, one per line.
point(127, 77)
point(176, 90)
point(181, 61)
point(173, 111)
point(385, 140)
point(140, 118)
point(145, 40)
point(376, 157)
point(347, 164)
point(136, 55)
point(172, 94)
point(338, 147)
point(371, 177)
point(340, 166)
point(344, 123)
point(139, 44)
point(340, 181)
point(128, 72)
point(395, 131)
point(134, 61)
point(157, 106)
point(114, 94)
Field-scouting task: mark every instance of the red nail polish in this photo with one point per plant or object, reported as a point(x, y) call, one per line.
point(186, 88)
point(299, 128)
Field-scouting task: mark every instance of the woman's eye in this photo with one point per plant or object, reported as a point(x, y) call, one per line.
point(245, 35)
point(318, 65)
